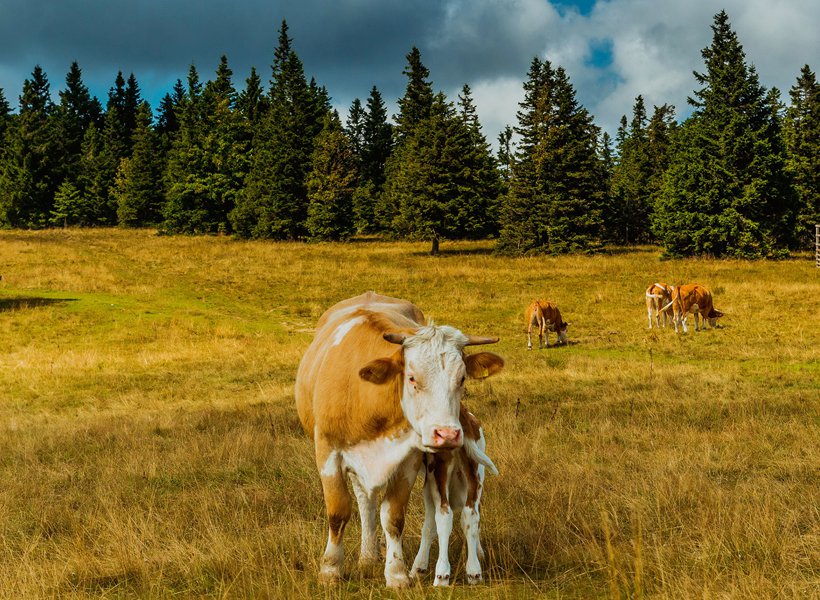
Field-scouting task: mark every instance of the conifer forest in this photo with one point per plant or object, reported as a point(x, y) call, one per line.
point(737, 178)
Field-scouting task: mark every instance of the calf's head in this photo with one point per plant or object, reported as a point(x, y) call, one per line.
point(433, 369)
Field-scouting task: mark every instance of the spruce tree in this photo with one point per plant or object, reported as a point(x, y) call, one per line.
point(138, 188)
point(77, 111)
point(415, 105)
point(274, 202)
point(354, 128)
point(331, 184)
point(802, 135)
point(5, 118)
point(95, 176)
point(557, 190)
point(252, 101)
point(30, 169)
point(726, 192)
point(71, 207)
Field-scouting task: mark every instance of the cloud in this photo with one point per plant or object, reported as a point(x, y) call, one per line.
point(612, 50)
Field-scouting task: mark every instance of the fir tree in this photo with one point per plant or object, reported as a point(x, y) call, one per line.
point(415, 105)
point(726, 193)
point(557, 190)
point(138, 188)
point(331, 184)
point(505, 156)
point(71, 207)
point(252, 102)
point(802, 135)
point(274, 203)
point(30, 169)
point(354, 128)
point(96, 172)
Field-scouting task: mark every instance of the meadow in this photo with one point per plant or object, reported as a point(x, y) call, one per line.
point(149, 446)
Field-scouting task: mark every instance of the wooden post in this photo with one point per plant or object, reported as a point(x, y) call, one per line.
point(817, 246)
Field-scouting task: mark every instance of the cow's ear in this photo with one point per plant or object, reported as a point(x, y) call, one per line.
point(381, 370)
point(483, 364)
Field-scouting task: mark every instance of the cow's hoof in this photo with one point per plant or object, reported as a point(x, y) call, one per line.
point(398, 581)
point(418, 572)
point(474, 578)
point(369, 566)
point(442, 580)
point(330, 575)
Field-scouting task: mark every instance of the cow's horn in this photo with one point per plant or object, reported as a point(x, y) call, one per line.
point(477, 340)
point(394, 337)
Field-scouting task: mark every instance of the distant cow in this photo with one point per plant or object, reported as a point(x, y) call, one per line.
point(376, 390)
point(546, 317)
point(658, 299)
point(693, 299)
point(453, 480)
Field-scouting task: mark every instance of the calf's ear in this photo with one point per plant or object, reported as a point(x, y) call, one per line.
point(483, 364)
point(381, 370)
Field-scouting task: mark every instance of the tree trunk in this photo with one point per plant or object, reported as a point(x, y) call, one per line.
point(434, 249)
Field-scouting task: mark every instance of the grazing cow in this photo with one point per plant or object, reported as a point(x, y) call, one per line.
point(695, 299)
point(453, 480)
point(546, 316)
point(658, 297)
point(376, 390)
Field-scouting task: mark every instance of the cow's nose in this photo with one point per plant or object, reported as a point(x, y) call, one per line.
point(447, 437)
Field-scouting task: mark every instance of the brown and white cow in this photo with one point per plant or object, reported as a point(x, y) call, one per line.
point(377, 389)
point(658, 298)
point(694, 299)
point(546, 317)
point(454, 480)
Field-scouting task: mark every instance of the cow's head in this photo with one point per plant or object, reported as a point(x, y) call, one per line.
point(434, 368)
point(561, 330)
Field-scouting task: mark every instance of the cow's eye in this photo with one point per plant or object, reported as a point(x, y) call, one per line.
point(411, 379)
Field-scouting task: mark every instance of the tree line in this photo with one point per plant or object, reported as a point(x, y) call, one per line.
point(739, 177)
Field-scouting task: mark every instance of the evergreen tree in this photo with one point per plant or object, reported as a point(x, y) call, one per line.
point(557, 190)
point(252, 102)
point(726, 192)
point(208, 161)
point(659, 134)
point(331, 184)
point(77, 111)
point(138, 188)
point(802, 135)
point(71, 207)
point(415, 105)
point(630, 219)
point(274, 203)
point(30, 169)
point(5, 118)
point(354, 128)
point(96, 173)
point(505, 156)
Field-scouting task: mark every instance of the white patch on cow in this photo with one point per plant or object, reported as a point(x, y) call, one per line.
point(374, 462)
point(343, 329)
point(331, 466)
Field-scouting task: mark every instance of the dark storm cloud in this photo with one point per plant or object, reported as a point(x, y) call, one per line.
point(348, 45)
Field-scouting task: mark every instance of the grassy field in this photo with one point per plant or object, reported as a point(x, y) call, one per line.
point(149, 447)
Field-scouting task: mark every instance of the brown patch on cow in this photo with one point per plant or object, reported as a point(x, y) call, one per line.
point(441, 462)
point(469, 424)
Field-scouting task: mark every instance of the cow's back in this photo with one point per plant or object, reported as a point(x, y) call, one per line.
point(331, 399)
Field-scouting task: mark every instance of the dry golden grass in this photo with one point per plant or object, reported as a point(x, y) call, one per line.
point(149, 447)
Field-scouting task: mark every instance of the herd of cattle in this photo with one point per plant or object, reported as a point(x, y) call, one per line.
point(380, 391)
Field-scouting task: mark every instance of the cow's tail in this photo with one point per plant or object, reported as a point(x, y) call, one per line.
point(475, 452)
point(675, 293)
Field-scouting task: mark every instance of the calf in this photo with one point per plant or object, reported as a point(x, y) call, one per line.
point(658, 299)
point(453, 480)
point(546, 316)
point(695, 299)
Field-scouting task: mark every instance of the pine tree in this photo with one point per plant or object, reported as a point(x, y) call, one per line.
point(557, 190)
point(71, 207)
point(30, 169)
point(505, 156)
point(77, 111)
point(252, 102)
point(415, 105)
point(96, 173)
point(274, 203)
point(331, 184)
point(138, 188)
point(354, 128)
point(802, 135)
point(726, 192)
point(5, 117)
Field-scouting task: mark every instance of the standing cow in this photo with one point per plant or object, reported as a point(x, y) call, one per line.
point(694, 299)
point(453, 480)
point(658, 299)
point(546, 317)
point(376, 390)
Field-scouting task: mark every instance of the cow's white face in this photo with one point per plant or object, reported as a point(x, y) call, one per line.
point(434, 371)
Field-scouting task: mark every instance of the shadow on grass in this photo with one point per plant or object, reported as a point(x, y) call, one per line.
point(25, 302)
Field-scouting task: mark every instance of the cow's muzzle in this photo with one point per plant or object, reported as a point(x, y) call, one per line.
point(447, 437)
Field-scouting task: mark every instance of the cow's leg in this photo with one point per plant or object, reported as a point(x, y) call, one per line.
point(428, 530)
point(543, 335)
point(338, 505)
point(684, 317)
point(529, 336)
point(369, 554)
point(444, 520)
point(649, 315)
point(470, 519)
point(392, 514)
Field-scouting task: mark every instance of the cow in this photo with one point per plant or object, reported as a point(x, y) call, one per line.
point(546, 316)
point(453, 480)
point(695, 299)
point(377, 389)
point(658, 297)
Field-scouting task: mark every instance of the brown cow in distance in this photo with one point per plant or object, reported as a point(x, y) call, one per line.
point(694, 299)
point(376, 390)
point(658, 298)
point(546, 317)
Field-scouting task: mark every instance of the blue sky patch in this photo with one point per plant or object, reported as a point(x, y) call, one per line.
point(584, 7)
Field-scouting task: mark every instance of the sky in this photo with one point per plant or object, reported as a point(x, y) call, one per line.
point(612, 50)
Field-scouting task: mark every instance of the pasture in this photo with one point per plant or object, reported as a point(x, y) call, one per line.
point(149, 445)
